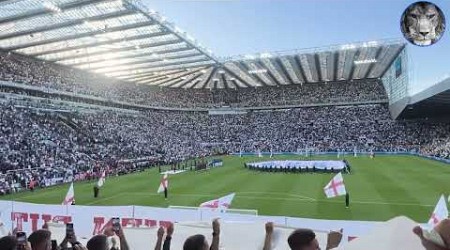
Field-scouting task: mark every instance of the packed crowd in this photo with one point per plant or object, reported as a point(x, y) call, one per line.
point(440, 147)
point(113, 238)
point(60, 146)
point(22, 70)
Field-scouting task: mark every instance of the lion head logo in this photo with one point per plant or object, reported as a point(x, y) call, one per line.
point(423, 23)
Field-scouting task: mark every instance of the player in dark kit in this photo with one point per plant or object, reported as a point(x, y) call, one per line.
point(347, 200)
point(96, 191)
point(165, 193)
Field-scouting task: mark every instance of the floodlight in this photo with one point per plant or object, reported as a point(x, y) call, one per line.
point(249, 57)
point(367, 61)
point(257, 71)
point(265, 55)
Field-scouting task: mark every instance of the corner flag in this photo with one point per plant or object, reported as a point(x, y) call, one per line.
point(440, 212)
point(222, 203)
point(163, 184)
point(335, 187)
point(70, 196)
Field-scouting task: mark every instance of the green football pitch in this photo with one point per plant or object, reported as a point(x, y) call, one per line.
point(379, 188)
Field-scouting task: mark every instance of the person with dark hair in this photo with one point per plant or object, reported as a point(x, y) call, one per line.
point(347, 200)
point(8, 243)
point(196, 242)
point(199, 242)
point(98, 242)
point(96, 190)
point(40, 240)
point(305, 239)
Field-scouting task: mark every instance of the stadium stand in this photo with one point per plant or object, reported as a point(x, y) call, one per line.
point(26, 71)
point(71, 109)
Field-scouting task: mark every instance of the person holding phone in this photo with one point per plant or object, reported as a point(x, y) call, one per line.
point(21, 238)
point(70, 236)
point(116, 229)
point(70, 239)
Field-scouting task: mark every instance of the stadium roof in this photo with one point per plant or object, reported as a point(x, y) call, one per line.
point(124, 40)
point(433, 102)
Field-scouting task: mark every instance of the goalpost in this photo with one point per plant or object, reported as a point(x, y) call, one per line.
point(228, 211)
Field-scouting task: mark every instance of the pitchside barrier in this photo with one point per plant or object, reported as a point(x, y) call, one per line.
point(253, 212)
point(91, 220)
point(344, 153)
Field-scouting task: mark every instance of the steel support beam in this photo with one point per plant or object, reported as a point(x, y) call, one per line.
point(81, 35)
point(150, 45)
point(44, 11)
point(174, 57)
point(132, 56)
point(68, 24)
point(95, 44)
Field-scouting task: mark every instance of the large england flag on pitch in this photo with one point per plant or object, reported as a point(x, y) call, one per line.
point(223, 203)
point(440, 212)
point(335, 187)
point(70, 196)
point(164, 184)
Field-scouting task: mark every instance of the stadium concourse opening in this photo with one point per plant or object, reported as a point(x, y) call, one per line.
point(119, 128)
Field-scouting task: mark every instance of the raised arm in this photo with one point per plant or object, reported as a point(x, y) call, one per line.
point(123, 240)
point(268, 239)
point(216, 235)
point(166, 245)
point(160, 235)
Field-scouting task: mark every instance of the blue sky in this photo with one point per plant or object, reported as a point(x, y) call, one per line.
point(232, 27)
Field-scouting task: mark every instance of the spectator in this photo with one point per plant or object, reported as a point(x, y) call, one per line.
point(199, 242)
point(40, 240)
point(442, 229)
point(305, 239)
point(8, 243)
point(98, 242)
point(111, 233)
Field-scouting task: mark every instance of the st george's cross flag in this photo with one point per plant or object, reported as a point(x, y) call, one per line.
point(335, 187)
point(440, 212)
point(163, 184)
point(222, 203)
point(70, 196)
point(102, 179)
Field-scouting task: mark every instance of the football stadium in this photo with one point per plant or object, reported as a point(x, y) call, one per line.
point(119, 130)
